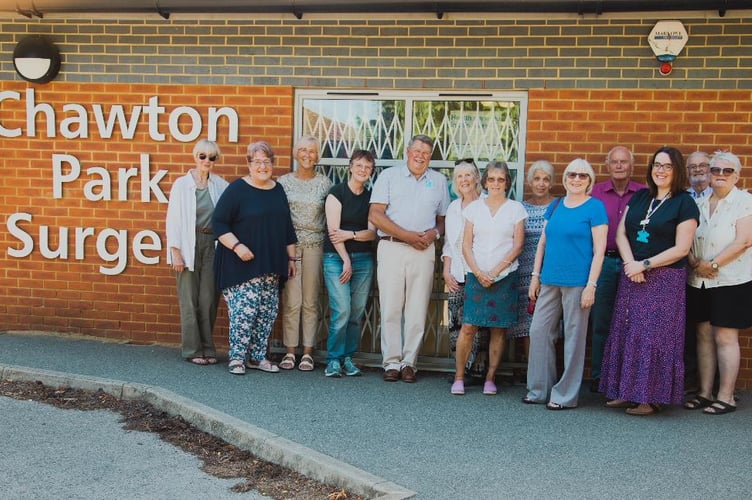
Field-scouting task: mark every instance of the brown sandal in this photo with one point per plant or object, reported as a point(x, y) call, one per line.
point(644, 410)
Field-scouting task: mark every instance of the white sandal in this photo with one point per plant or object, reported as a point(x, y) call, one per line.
point(236, 367)
point(306, 363)
point(288, 362)
point(264, 365)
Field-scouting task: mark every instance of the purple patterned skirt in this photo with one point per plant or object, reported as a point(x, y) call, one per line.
point(644, 355)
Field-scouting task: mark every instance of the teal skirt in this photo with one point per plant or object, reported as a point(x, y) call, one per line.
point(493, 307)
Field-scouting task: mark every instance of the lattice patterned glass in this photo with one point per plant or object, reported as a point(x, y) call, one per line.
point(344, 125)
point(483, 130)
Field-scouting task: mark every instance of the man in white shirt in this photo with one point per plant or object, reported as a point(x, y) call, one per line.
point(699, 176)
point(408, 205)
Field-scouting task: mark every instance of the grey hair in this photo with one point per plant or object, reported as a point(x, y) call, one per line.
point(698, 153)
point(306, 139)
point(206, 146)
point(540, 165)
point(729, 158)
point(579, 165)
point(631, 155)
point(466, 165)
point(262, 146)
point(497, 165)
point(421, 138)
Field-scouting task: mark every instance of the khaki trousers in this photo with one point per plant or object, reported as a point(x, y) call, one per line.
point(198, 298)
point(300, 298)
point(405, 277)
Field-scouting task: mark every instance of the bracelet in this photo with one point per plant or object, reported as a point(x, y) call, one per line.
point(235, 245)
point(292, 259)
point(534, 274)
point(355, 236)
point(593, 284)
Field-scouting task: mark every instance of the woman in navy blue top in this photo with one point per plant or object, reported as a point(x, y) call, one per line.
point(255, 257)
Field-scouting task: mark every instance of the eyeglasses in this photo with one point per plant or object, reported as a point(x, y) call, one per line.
point(492, 180)
point(666, 167)
point(726, 171)
point(202, 157)
point(471, 161)
point(698, 166)
point(578, 175)
point(260, 163)
point(619, 162)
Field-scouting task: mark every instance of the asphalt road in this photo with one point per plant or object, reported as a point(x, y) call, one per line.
point(51, 453)
point(438, 445)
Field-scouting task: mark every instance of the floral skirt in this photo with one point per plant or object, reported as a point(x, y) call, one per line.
point(493, 307)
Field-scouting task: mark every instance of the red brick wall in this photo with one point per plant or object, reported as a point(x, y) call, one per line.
point(139, 305)
point(72, 296)
point(565, 124)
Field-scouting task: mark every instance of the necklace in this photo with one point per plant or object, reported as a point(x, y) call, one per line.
point(643, 234)
point(200, 183)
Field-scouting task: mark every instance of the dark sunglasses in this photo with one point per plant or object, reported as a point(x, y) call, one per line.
point(581, 175)
point(464, 160)
point(202, 157)
point(726, 171)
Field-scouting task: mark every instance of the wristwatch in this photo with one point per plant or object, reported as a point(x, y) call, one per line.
point(714, 265)
point(646, 263)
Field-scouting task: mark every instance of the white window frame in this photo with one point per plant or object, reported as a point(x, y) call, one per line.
point(517, 167)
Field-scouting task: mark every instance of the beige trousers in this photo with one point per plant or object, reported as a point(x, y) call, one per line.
point(300, 298)
point(405, 277)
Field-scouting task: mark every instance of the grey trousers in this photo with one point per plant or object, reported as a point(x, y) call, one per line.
point(552, 303)
point(198, 298)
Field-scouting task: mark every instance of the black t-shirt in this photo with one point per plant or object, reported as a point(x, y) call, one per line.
point(354, 217)
point(663, 222)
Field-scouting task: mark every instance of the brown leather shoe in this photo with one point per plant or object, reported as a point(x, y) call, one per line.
point(408, 374)
point(391, 375)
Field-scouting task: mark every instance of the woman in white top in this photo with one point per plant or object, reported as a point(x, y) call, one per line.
point(190, 252)
point(494, 235)
point(719, 296)
point(466, 185)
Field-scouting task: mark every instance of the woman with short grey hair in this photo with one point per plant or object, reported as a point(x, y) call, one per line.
point(719, 296)
point(190, 252)
point(563, 284)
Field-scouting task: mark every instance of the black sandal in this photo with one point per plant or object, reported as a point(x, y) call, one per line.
point(697, 403)
point(719, 408)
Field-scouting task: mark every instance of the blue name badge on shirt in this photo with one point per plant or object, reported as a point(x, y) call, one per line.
point(429, 183)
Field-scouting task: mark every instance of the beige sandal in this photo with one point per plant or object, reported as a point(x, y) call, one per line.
point(288, 362)
point(306, 363)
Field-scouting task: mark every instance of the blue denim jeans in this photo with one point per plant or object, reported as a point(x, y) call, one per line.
point(347, 302)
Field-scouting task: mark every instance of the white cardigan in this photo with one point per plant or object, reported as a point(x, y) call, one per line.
point(454, 228)
point(181, 215)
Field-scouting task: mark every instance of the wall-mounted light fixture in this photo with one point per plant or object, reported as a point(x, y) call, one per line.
point(36, 59)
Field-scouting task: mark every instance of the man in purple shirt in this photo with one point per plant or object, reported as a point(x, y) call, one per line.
point(614, 193)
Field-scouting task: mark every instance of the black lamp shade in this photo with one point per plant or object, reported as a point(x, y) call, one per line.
point(36, 59)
